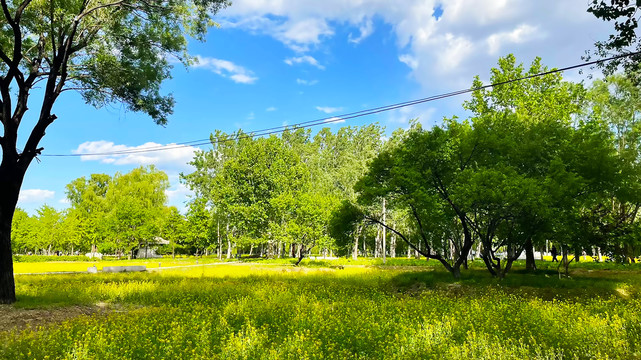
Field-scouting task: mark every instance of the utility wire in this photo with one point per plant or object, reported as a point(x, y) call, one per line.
point(339, 118)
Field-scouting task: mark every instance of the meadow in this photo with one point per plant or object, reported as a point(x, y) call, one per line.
point(324, 310)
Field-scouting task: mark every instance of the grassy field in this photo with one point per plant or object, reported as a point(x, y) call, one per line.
point(351, 311)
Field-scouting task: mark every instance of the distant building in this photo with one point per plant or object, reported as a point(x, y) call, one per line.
point(149, 250)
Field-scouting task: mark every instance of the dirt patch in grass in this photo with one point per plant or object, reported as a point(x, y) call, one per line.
point(16, 319)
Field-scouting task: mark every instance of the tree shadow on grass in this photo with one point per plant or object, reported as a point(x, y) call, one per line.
point(543, 284)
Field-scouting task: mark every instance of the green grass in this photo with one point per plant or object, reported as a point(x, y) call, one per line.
point(254, 311)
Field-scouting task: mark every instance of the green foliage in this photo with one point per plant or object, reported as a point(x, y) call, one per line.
point(508, 178)
point(111, 51)
point(108, 214)
point(278, 193)
point(610, 219)
point(625, 14)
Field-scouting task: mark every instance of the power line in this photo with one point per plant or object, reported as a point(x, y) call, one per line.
point(339, 118)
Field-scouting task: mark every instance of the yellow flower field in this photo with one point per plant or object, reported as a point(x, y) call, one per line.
point(241, 311)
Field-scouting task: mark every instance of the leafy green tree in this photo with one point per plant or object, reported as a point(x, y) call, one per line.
point(198, 226)
point(48, 228)
point(612, 217)
point(72, 231)
point(87, 197)
point(136, 204)
point(520, 129)
point(337, 161)
point(625, 14)
point(92, 47)
point(174, 228)
point(419, 176)
point(23, 231)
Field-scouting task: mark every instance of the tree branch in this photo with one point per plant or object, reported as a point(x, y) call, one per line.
point(7, 15)
point(20, 10)
point(420, 226)
point(428, 255)
point(87, 12)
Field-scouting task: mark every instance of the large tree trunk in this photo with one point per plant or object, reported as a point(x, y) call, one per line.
point(530, 264)
point(7, 285)
point(10, 182)
point(301, 254)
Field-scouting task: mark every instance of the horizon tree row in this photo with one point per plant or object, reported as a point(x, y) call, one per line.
point(538, 160)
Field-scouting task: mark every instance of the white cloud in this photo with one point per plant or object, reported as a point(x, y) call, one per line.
point(328, 110)
point(251, 116)
point(335, 120)
point(366, 29)
point(226, 68)
point(35, 195)
point(306, 82)
point(178, 196)
point(298, 33)
point(409, 60)
point(423, 112)
point(169, 156)
point(305, 59)
point(521, 34)
point(271, 108)
point(442, 54)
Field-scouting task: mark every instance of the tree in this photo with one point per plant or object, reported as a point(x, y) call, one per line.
point(418, 176)
point(625, 40)
point(48, 232)
point(521, 129)
point(136, 205)
point(174, 228)
point(88, 201)
point(22, 233)
point(72, 231)
point(612, 217)
point(338, 161)
point(108, 50)
point(198, 226)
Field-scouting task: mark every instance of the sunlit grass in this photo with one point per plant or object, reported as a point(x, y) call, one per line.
point(255, 311)
point(78, 266)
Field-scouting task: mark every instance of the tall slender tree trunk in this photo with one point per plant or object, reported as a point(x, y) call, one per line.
point(530, 264)
point(377, 242)
point(355, 250)
point(228, 241)
point(220, 243)
point(392, 246)
point(384, 231)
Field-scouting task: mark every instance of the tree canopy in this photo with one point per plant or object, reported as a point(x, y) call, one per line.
point(109, 51)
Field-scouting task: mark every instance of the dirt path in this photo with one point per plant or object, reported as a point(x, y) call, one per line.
point(16, 319)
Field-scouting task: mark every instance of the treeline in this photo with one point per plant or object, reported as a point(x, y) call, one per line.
point(537, 160)
point(107, 214)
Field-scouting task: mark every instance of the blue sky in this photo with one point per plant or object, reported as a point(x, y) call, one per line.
point(276, 62)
